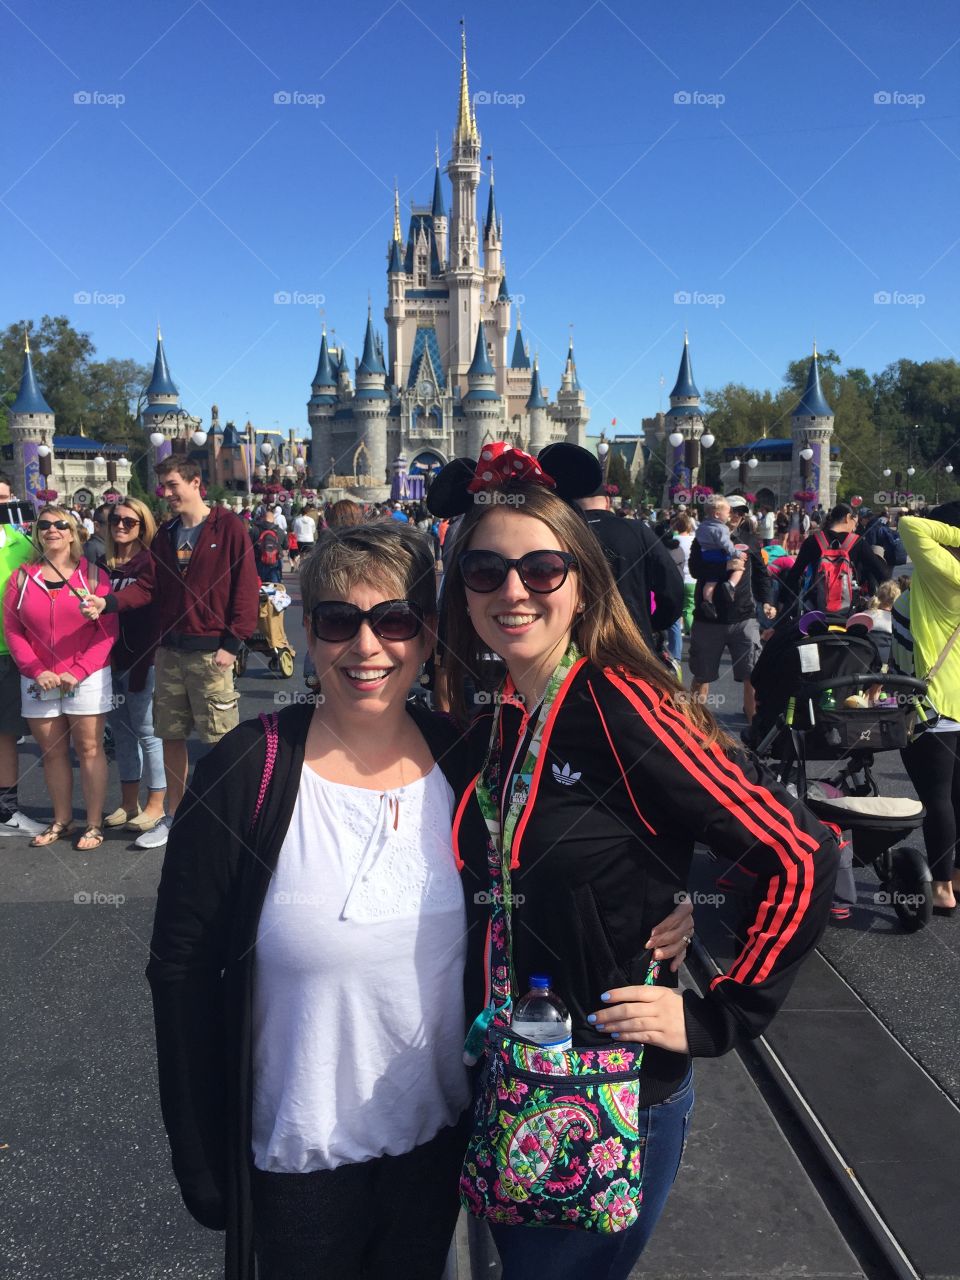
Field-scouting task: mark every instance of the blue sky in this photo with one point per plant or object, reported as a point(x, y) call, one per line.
point(782, 197)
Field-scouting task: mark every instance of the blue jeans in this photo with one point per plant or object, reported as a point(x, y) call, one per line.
point(572, 1255)
point(674, 638)
point(137, 749)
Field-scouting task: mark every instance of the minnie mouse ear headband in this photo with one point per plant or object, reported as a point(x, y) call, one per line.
point(571, 472)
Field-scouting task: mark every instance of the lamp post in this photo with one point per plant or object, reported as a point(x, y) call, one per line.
point(603, 453)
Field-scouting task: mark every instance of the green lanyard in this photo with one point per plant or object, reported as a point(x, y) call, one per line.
point(500, 838)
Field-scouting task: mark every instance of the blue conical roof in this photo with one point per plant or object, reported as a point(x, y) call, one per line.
point(572, 368)
point(342, 366)
point(371, 361)
point(437, 208)
point(490, 225)
point(814, 402)
point(520, 359)
point(686, 388)
point(326, 375)
point(395, 263)
point(504, 294)
point(161, 384)
point(29, 397)
point(536, 400)
point(481, 365)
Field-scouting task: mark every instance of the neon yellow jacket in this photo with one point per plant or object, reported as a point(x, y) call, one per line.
point(935, 605)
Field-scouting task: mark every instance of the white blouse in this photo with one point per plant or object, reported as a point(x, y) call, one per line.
point(358, 1015)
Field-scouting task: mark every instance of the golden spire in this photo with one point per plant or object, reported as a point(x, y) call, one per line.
point(396, 213)
point(26, 343)
point(814, 348)
point(466, 130)
point(159, 334)
point(686, 338)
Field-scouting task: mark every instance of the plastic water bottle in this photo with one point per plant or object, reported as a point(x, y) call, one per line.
point(541, 1016)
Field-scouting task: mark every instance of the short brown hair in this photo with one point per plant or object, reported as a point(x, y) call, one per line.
point(345, 514)
point(185, 468)
point(395, 556)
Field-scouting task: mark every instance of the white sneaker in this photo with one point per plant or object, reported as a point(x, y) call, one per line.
point(156, 837)
point(18, 824)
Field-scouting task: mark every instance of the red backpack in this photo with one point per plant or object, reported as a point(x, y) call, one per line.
point(268, 548)
point(832, 585)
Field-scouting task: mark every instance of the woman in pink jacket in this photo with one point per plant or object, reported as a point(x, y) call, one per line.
point(64, 663)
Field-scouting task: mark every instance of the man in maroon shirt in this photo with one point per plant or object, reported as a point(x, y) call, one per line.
point(203, 577)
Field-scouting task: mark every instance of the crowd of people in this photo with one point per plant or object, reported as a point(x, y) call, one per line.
point(356, 890)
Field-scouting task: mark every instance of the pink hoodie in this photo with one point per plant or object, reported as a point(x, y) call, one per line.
point(47, 632)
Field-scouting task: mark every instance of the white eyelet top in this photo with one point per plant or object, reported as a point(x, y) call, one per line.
point(358, 1017)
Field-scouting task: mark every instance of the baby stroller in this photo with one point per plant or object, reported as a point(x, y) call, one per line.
point(821, 696)
point(270, 636)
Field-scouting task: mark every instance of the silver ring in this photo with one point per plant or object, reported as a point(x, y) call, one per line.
point(687, 939)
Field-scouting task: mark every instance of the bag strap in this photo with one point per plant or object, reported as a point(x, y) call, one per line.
point(944, 654)
point(270, 727)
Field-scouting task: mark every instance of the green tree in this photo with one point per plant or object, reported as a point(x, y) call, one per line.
point(618, 474)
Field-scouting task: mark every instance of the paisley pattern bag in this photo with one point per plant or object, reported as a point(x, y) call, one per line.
point(558, 1135)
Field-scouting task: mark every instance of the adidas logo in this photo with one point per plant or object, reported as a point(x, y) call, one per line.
point(564, 775)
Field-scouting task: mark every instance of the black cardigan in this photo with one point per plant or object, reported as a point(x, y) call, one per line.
point(215, 876)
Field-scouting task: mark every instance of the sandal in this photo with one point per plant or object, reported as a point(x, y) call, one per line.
point(91, 833)
point(49, 835)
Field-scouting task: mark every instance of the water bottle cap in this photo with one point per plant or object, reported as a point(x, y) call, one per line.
point(539, 980)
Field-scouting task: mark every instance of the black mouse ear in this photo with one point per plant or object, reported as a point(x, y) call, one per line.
point(576, 471)
point(448, 495)
point(817, 629)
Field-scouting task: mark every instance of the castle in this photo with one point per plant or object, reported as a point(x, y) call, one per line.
point(447, 381)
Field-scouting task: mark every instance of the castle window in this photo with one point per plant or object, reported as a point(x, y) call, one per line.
point(421, 271)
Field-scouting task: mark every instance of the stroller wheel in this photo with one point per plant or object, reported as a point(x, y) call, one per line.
point(910, 888)
point(285, 662)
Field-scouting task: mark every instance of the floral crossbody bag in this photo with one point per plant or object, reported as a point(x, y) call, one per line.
point(556, 1137)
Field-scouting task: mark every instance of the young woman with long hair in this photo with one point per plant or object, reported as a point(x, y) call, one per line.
point(599, 776)
point(64, 663)
point(130, 530)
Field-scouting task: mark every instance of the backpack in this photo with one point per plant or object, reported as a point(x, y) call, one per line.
point(268, 548)
point(832, 582)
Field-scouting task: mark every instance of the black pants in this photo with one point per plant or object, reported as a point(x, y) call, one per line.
point(932, 762)
point(393, 1216)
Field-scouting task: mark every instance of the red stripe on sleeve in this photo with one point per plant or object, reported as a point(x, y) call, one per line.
point(794, 858)
point(458, 818)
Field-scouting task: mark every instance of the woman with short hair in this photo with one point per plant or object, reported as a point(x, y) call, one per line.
point(64, 663)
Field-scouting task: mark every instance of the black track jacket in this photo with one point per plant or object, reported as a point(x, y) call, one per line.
point(623, 788)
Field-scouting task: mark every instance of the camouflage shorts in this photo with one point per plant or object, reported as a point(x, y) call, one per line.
point(192, 692)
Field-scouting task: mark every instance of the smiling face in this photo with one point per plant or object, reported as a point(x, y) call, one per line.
point(529, 630)
point(367, 675)
point(122, 535)
point(55, 542)
point(181, 496)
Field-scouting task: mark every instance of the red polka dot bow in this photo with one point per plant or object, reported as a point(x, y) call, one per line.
point(501, 464)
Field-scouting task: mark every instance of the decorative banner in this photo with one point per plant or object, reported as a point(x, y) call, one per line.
point(33, 481)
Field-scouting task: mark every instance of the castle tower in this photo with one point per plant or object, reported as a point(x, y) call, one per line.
point(320, 410)
point(164, 415)
point(31, 424)
point(439, 216)
point(571, 402)
point(464, 275)
point(371, 405)
point(482, 405)
point(812, 427)
point(492, 242)
point(539, 418)
point(686, 418)
point(396, 288)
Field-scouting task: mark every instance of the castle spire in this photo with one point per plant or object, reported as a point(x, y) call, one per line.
point(29, 397)
point(813, 403)
point(466, 130)
point(536, 399)
point(519, 359)
point(481, 366)
point(685, 388)
point(397, 233)
point(437, 208)
point(490, 225)
point(161, 384)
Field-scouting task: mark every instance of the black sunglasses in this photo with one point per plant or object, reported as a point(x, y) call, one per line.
point(336, 620)
point(44, 525)
point(128, 522)
point(540, 571)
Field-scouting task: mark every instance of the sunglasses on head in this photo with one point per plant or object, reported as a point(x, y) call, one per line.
point(44, 525)
point(336, 620)
point(128, 522)
point(539, 571)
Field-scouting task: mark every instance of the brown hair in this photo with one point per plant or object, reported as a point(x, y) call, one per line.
point(58, 513)
point(683, 523)
point(604, 632)
point(148, 527)
point(345, 514)
point(186, 468)
point(395, 556)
